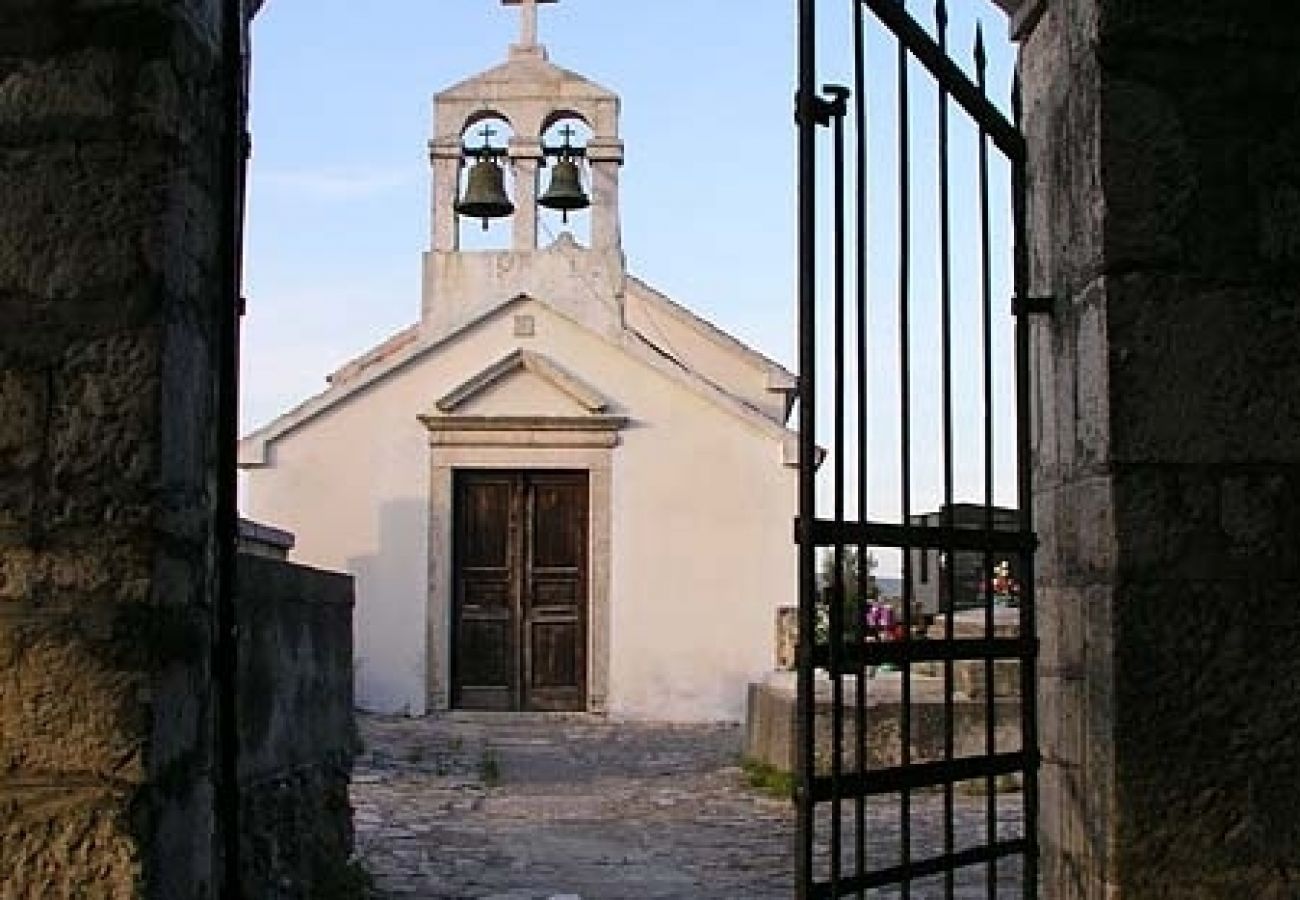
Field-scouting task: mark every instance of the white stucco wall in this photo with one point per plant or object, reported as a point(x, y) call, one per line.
point(701, 532)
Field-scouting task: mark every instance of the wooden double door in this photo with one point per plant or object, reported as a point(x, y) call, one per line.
point(521, 593)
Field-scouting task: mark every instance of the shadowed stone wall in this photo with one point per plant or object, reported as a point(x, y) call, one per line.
point(109, 291)
point(1165, 218)
point(296, 733)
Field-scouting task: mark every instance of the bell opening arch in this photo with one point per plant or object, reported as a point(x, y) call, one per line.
point(564, 184)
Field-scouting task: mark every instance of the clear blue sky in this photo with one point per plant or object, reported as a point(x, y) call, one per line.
point(339, 193)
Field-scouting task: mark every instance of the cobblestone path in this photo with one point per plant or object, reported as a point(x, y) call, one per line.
point(472, 808)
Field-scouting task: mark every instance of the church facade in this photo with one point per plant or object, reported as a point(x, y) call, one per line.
point(559, 490)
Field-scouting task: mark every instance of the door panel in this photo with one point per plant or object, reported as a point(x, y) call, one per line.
point(555, 596)
point(486, 585)
point(520, 576)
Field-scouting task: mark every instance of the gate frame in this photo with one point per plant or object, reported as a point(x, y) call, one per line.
point(828, 109)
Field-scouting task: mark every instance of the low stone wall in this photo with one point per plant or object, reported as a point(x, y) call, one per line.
point(770, 733)
point(297, 733)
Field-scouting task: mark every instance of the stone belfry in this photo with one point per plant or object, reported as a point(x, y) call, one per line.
point(530, 94)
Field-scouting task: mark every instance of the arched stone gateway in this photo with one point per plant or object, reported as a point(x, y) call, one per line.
point(1163, 178)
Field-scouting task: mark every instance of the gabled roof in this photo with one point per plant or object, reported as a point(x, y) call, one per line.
point(378, 366)
point(780, 377)
point(527, 361)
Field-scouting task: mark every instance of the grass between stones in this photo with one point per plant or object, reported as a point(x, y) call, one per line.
point(489, 768)
point(768, 779)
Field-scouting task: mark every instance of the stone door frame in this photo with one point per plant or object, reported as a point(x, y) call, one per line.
point(519, 442)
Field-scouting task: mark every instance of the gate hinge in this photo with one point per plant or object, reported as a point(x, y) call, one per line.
point(1033, 306)
point(817, 110)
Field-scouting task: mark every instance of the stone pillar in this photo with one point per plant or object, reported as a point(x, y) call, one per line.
point(445, 156)
point(111, 116)
point(1165, 219)
point(526, 156)
point(606, 158)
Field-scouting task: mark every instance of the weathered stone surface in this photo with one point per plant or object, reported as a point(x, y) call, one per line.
point(1202, 372)
point(297, 837)
point(73, 841)
point(1163, 215)
point(297, 736)
point(771, 734)
point(109, 128)
point(66, 575)
point(595, 809)
point(66, 706)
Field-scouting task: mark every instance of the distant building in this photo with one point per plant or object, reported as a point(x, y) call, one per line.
point(932, 568)
point(559, 489)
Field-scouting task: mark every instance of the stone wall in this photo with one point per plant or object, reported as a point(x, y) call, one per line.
point(771, 734)
point(297, 735)
point(109, 297)
point(1165, 218)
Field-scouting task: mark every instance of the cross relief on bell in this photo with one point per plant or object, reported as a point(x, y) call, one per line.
point(486, 197)
point(485, 190)
point(566, 193)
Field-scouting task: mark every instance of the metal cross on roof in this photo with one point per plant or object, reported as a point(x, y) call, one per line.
point(527, 19)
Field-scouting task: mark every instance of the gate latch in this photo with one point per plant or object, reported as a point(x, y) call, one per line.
point(819, 110)
point(1033, 306)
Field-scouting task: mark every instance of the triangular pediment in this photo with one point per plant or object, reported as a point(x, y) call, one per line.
point(526, 377)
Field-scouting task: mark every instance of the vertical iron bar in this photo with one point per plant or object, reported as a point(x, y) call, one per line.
point(986, 286)
point(905, 428)
point(806, 702)
point(860, 112)
point(1024, 462)
point(946, 586)
point(836, 613)
point(225, 646)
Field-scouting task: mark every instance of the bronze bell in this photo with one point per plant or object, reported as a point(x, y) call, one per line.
point(485, 194)
point(566, 192)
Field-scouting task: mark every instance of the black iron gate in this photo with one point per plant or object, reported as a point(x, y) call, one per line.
point(944, 812)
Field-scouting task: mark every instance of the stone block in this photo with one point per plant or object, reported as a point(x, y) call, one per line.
point(1180, 394)
point(73, 841)
point(1076, 520)
point(1059, 68)
point(66, 575)
point(1184, 23)
point(77, 219)
point(1072, 745)
point(67, 705)
point(104, 432)
point(1200, 522)
point(1151, 175)
point(1091, 382)
point(771, 727)
point(1259, 518)
point(1061, 622)
point(1045, 453)
point(74, 93)
point(970, 678)
point(1203, 771)
point(20, 572)
point(23, 399)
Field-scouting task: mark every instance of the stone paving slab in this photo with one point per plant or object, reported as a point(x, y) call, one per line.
point(537, 808)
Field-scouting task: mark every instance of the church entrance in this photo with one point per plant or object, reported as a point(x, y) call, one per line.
point(520, 591)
